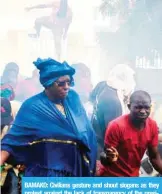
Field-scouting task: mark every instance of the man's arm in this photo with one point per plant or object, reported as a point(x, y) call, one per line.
point(155, 158)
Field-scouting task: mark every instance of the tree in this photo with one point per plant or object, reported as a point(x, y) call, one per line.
point(140, 32)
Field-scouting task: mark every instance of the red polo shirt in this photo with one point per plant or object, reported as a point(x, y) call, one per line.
point(131, 145)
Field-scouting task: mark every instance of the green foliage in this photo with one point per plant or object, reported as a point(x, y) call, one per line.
point(140, 32)
point(113, 7)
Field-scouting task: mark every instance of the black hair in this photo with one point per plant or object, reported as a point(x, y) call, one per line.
point(139, 93)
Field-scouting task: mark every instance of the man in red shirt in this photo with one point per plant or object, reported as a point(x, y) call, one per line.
point(128, 137)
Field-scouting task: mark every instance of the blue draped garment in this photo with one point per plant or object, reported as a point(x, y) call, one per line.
point(49, 144)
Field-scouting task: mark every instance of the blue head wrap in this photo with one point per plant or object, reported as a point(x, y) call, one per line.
point(50, 70)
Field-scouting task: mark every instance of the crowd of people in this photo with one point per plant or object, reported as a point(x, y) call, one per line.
point(57, 124)
point(80, 131)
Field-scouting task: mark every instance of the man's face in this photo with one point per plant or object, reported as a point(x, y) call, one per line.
point(61, 87)
point(140, 108)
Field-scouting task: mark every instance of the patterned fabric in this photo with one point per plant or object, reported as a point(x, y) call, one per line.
point(50, 70)
point(71, 140)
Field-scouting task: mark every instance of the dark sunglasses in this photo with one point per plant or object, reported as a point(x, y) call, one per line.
point(63, 83)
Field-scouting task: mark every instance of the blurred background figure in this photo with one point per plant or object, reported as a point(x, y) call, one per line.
point(6, 116)
point(58, 22)
point(10, 74)
point(109, 99)
point(28, 87)
point(7, 92)
point(97, 90)
point(9, 180)
point(83, 85)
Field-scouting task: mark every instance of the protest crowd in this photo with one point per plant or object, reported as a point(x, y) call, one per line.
point(56, 123)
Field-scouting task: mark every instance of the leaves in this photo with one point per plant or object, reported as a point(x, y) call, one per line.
point(140, 32)
point(114, 7)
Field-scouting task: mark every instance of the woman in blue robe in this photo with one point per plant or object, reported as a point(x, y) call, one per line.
point(51, 134)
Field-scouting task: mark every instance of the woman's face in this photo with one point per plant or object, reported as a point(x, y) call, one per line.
point(61, 87)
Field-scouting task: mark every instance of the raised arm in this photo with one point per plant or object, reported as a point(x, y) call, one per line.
point(40, 6)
